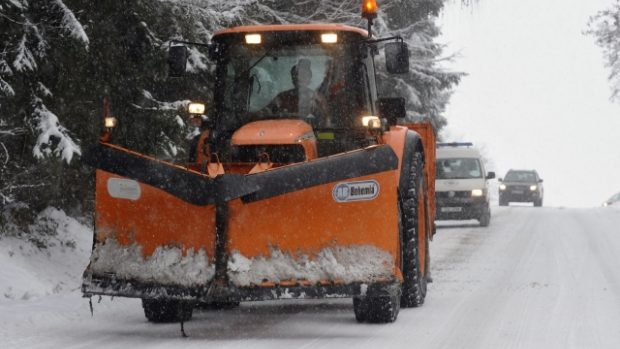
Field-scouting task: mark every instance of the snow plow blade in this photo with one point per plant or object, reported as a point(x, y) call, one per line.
point(166, 231)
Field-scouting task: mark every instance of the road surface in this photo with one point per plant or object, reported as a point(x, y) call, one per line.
point(536, 278)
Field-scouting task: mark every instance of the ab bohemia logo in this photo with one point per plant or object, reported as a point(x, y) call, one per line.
point(356, 191)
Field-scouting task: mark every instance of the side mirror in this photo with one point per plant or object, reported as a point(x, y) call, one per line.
point(490, 175)
point(177, 60)
point(214, 52)
point(392, 109)
point(397, 57)
point(540, 180)
point(500, 179)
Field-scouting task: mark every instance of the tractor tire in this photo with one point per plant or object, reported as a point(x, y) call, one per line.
point(167, 310)
point(485, 217)
point(377, 309)
point(538, 203)
point(414, 279)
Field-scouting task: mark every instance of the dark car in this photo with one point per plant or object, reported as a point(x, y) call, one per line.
point(521, 186)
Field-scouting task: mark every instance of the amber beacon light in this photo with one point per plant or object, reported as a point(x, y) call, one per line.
point(369, 9)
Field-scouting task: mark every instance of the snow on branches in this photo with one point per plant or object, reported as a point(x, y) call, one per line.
point(29, 27)
point(71, 24)
point(605, 26)
point(24, 60)
point(53, 138)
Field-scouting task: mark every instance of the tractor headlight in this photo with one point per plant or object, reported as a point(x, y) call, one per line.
point(477, 192)
point(110, 122)
point(196, 108)
point(502, 187)
point(253, 39)
point(533, 187)
point(329, 38)
point(372, 122)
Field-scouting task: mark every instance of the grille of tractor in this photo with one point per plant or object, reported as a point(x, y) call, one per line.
point(281, 154)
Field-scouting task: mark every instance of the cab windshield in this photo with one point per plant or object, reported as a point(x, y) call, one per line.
point(287, 82)
point(458, 168)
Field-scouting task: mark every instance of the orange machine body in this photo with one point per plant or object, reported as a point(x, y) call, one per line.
point(328, 225)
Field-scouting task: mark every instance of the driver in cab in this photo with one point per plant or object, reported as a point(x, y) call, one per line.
point(301, 100)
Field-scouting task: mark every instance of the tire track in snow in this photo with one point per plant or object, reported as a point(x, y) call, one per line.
point(493, 262)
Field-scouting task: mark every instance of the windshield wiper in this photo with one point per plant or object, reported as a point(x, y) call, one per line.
point(255, 64)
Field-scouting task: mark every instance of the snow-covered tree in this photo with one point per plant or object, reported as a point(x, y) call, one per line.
point(31, 133)
point(605, 26)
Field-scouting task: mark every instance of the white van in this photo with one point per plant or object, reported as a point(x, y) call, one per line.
point(461, 188)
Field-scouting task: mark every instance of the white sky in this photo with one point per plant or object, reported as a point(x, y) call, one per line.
point(537, 94)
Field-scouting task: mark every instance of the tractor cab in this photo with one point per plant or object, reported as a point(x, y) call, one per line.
point(319, 75)
point(290, 93)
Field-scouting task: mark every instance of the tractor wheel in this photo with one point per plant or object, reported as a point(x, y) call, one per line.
point(377, 309)
point(413, 244)
point(538, 203)
point(485, 217)
point(167, 310)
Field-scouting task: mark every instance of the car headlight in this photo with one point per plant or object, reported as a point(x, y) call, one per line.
point(502, 187)
point(477, 192)
point(533, 187)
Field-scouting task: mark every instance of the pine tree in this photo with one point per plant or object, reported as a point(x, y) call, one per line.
point(605, 26)
point(33, 140)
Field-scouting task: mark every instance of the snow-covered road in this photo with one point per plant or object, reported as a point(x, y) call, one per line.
point(536, 278)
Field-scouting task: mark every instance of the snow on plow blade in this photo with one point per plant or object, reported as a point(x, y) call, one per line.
point(322, 228)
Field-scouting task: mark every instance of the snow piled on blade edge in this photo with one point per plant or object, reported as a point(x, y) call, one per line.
point(352, 263)
point(167, 265)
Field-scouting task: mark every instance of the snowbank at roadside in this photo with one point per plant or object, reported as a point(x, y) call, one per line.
point(30, 272)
